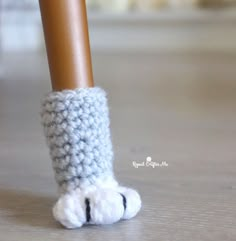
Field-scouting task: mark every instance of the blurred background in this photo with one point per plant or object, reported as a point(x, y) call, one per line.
point(169, 67)
point(131, 24)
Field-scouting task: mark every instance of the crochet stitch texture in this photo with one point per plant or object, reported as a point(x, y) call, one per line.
point(76, 126)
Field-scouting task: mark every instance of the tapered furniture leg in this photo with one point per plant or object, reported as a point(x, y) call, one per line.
point(76, 125)
point(67, 41)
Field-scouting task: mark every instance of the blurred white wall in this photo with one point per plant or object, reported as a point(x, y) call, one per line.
point(20, 25)
point(184, 29)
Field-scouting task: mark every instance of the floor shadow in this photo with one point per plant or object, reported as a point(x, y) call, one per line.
point(27, 208)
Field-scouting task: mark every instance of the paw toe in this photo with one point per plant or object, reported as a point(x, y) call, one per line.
point(131, 202)
point(69, 212)
point(106, 207)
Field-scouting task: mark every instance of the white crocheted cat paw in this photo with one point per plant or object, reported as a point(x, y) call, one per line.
point(96, 205)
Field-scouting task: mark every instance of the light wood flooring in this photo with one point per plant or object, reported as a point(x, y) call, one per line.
point(176, 108)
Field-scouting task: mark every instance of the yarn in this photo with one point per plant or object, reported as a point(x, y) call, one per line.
point(76, 126)
point(96, 205)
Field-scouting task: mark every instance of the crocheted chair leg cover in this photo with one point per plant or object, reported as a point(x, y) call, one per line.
point(76, 126)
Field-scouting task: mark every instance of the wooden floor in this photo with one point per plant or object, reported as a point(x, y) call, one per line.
point(180, 109)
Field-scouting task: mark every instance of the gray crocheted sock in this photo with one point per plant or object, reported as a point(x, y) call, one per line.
point(76, 126)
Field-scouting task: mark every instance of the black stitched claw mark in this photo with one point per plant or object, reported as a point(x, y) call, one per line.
point(124, 201)
point(88, 209)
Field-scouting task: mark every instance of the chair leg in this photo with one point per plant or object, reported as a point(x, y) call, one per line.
point(76, 124)
point(67, 41)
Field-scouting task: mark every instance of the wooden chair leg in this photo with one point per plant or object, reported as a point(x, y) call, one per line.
point(76, 125)
point(67, 42)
